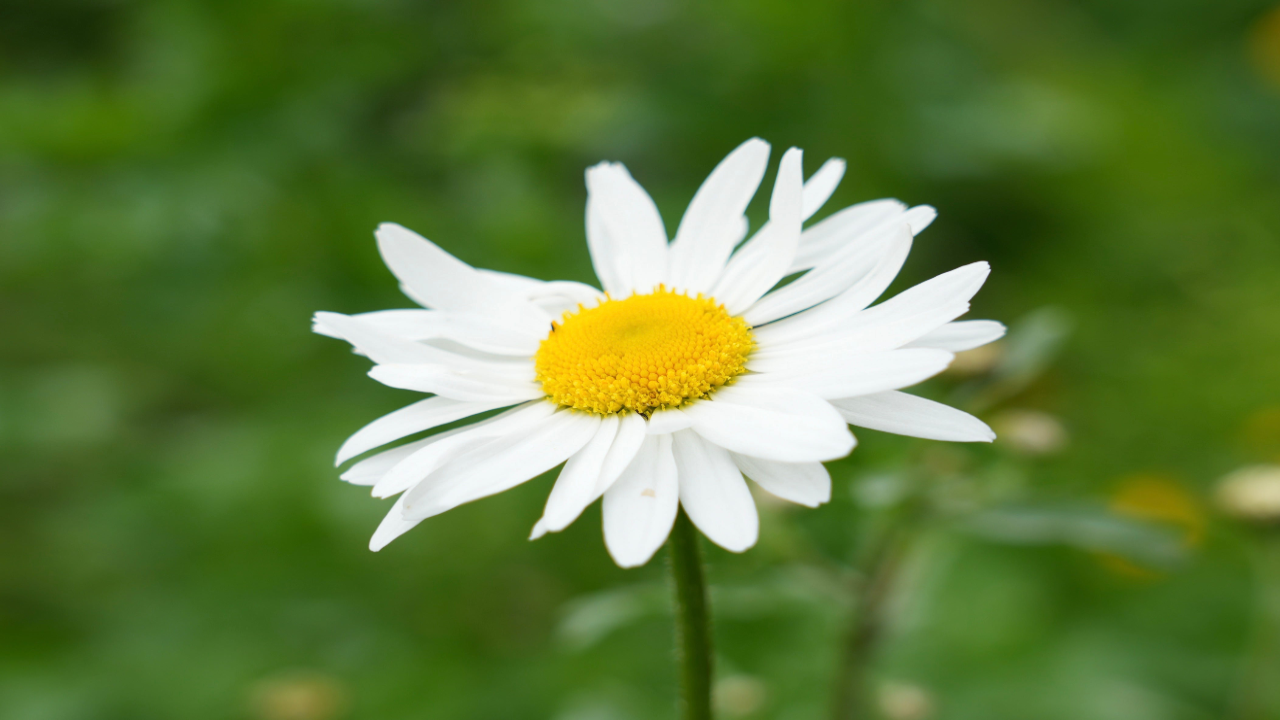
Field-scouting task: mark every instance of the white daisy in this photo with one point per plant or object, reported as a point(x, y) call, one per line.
point(691, 370)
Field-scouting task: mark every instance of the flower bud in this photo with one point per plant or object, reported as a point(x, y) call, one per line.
point(1251, 493)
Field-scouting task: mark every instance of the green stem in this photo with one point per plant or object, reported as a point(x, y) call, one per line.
point(853, 696)
point(693, 623)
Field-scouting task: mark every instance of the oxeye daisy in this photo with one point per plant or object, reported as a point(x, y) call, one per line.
point(692, 369)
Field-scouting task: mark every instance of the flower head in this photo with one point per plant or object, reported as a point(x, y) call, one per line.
point(690, 370)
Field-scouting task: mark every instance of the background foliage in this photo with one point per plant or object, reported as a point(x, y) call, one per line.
point(183, 183)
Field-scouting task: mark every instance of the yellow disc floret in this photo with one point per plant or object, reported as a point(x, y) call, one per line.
point(643, 353)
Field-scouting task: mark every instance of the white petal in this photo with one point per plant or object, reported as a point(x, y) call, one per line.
point(821, 244)
point(961, 335)
point(640, 508)
point(422, 415)
point(554, 297)
point(841, 228)
point(903, 414)
point(560, 296)
point(435, 451)
point(464, 328)
point(575, 488)
point(631, 433)
point(713, 223)
point(818, 188)
point(917, 310)
point(393, 526)
point(920, 217)
point(383, 347)
point(761, 262)
point(459, 385)
point(569, 290)
point(373, 468)
point(848, 303)
point(539, 529)
point(515, 284)
point(373, 342)
point(713, 492)
point(665, 422)
point(835, 275)
point(772, 422)
point(439, 280)
point(889, 325)
point(840, 376)
point(624, 232)
point(808, 484)
point(502, 464)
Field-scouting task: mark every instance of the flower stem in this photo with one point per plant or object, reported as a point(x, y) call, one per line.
point(853, 697)
point(693, 622)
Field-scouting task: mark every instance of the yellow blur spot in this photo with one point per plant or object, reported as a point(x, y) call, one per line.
point(1264, 46)
point(978, 361)
point(299, 696)
point(643, 353)
point(1161, 499)
point(1261, 432)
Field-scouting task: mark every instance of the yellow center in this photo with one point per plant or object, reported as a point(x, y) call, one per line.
point(643, 353)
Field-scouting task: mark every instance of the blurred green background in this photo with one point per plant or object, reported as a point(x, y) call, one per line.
point(182, 184)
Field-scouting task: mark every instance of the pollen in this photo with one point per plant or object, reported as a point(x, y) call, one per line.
point(642, 353)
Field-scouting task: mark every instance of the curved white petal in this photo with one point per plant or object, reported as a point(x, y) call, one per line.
point(903, 414)
point(415, 418)
point(554, 297)
point(631, 434)
point(819, 247)
point(841, 228)
point(477, 386)
point(385, 348)
point(961, 335)
point(434, 452)
point(373, 468)
point(919, 309)
point(713, 223)
point(665, 422)
point(822, 317)
point(818, 188)
point(560, 296)
point(835, 275)
point(626, 443)
point(807, 484)
point(887, 326)
point(776, 423)
point(392, 526)
point(625, 233)
point(713, 492)
point(465, 328)
point(575, 488)
point(374, 343)
point(920, 217)
point(439, 280)
point(762, 261)
point(640, 508)
point(821, 244)
point(514, 458)
point(841, 376)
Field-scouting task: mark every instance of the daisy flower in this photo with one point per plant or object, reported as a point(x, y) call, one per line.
point(694, 366)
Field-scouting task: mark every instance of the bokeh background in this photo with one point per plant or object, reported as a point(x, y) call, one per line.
point(183, 183)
